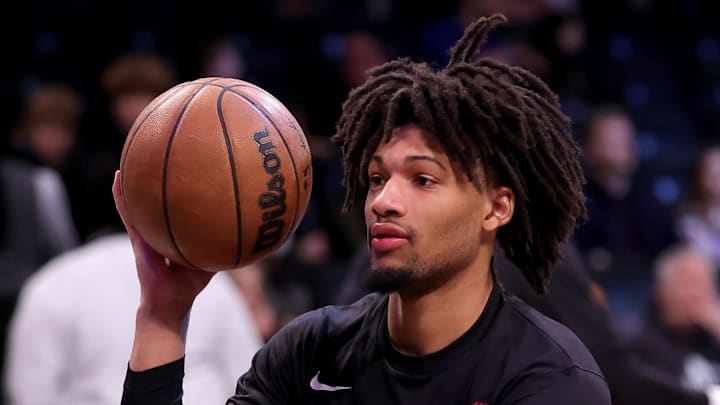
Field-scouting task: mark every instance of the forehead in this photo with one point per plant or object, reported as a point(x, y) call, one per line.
point(411, 139)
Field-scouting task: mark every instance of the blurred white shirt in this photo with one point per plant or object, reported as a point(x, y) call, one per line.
point(72, 333)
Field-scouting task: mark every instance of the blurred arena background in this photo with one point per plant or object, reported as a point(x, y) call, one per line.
point(639, 78)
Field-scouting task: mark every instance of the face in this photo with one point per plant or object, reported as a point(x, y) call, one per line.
point(688, 287)
point(362, 52)
point(52, 143)
point(612, 148)
point(425, 220)
point(127, 107)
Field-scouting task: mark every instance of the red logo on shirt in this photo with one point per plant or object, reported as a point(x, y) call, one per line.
point(480, 403)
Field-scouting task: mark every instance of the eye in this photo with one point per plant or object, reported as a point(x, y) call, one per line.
point(376, 180)
point(425, 181)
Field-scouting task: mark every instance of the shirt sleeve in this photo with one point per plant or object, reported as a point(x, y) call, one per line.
point(278, 375)
point(570, 386)
point(161, 385)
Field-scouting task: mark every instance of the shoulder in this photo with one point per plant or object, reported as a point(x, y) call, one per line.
point(53, 294)
point(569, 386)
point(548, 361)
point(40, 176)
point(548, 343)
point(105, 257)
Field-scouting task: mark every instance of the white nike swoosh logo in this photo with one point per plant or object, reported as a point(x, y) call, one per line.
point(316, 385)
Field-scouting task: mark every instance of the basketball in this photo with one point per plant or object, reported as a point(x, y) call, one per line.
point(216, 173)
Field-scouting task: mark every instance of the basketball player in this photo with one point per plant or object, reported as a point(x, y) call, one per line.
point(447, 162)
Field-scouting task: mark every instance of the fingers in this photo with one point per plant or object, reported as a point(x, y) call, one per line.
point(139, 245)
point(119, 200)
point(120, 205)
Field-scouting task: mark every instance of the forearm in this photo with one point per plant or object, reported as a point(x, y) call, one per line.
point(159, 339)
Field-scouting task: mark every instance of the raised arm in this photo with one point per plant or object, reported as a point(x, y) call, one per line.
point(167, 293)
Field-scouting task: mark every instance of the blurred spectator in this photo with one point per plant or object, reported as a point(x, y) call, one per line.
point(278, 290)
point(49, 125)
point(320, 251)
point(36, 222)
point(73, 330)
point(627, 225)
point(129, 83)
point(252, 283)
point(682, 333)
point(223, 58)
point(698, 219)
point(362, 51)
point(308, 275)
point(133, 80)
point(315, 265)
point(523, 16)
point(577, 301)
point(563, 41)
point(349, 57)
point(35, 226)
point(272, 303)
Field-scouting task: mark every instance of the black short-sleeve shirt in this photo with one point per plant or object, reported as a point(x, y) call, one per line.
point(343, 355)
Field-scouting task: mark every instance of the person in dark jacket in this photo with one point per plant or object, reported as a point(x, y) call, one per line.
point(681, 335)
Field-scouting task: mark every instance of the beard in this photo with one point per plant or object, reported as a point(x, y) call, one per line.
point(388, 280)
point(416, 276)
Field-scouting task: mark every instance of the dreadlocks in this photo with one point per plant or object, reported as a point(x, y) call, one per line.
point(490, 116)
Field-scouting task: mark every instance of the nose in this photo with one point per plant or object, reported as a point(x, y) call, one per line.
point(388, 201)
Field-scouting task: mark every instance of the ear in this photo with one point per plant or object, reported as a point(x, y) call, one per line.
point(502, 206)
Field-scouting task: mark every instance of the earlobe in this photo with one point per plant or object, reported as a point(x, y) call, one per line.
point(502, 206)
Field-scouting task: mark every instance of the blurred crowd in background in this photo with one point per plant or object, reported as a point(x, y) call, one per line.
point(639, 78)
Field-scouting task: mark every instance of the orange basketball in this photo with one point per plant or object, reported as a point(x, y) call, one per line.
point(216, 173)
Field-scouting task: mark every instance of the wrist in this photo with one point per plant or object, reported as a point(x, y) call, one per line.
point(158, 317)
point(159, 338)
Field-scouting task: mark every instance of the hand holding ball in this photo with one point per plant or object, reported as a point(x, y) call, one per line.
point(216, 174)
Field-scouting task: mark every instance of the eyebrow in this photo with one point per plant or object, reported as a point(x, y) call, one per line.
point(412, 158)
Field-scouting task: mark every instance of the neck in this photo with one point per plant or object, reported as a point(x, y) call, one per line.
point(423, 324)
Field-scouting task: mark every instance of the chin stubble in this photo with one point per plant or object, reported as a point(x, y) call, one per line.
point(388, 280)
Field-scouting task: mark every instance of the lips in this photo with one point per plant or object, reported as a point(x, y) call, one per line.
point(386, 236)
point(387, 230)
